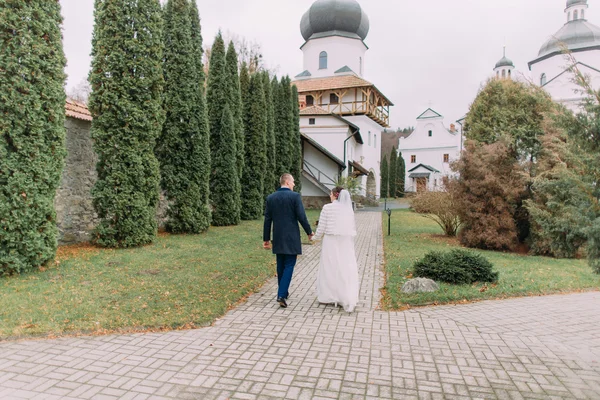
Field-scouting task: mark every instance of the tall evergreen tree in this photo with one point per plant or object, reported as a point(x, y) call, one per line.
point(180, 147)
point(125, 103)
point(226, 206)
point(235, 102)
point(200, 113)
point(393, 172)
point(295, 142)
point(280, 133)
point(224, 182)
point(385, 173)
point(283, 126)
point(32, 115)
point(245, 96)
point(256, 156)
point(271, 178)
point(400, 176)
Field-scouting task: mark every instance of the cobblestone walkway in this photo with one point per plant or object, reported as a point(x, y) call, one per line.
point(528, 348)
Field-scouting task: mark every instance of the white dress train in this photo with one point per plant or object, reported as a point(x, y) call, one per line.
point(337, 279)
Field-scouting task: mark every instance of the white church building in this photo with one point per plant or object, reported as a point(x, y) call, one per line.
point(341, 113)
point(428, 152)
point(551, 68)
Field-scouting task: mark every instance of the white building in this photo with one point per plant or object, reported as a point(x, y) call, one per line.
point(551, 69)
point(341, 114)
point(428, 152)
point(504, 68)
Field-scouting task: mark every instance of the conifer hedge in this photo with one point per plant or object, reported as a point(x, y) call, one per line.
point(32, 115)
point(393, 173)
point(400, 176)
point(181, 148)
point(283, 121)
point(125, 102)
point(256, 156)
point(295, 142)
point(385, 173)
point(271, 181)
point(235, 102)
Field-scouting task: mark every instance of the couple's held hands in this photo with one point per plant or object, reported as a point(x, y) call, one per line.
point(311, 236)
point(267, 245)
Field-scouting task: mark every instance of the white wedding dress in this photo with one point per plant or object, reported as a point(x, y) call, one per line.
point(337, 280)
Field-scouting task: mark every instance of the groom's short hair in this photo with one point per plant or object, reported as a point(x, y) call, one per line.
point(285, 178)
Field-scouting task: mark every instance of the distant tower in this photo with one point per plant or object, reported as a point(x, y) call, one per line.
point(334, 31)
point(504, 68)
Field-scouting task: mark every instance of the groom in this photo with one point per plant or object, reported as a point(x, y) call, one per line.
point(284, 210)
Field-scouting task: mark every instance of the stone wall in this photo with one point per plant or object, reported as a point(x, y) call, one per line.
point(75, 213)
point(315, 202)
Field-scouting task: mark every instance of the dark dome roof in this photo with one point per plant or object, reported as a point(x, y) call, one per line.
point(335, 17)
point(576, 35)
point(575, 2)
point(504, 62)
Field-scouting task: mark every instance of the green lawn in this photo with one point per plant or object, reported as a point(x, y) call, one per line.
point(520, 275)
point(178, 282)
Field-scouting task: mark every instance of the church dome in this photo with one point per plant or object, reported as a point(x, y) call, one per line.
point(504, 62)
point(575, 2)
point(576, 35)
point(335, 17)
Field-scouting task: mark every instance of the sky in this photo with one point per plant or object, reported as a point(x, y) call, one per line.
point(422, 53)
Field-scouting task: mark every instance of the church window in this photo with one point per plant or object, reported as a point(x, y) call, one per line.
point(504, 73)
point(430, 133)
point(575, 15)
point(582, 14)
point(375, 141)
point(413, 159)
point(311, 121)
point(446, 158)
point(333, 99)
point(310, 100)
point(543, 79)
point(323, 60)
point(369, 138)
point(497, 74)
point(509, 73)
point(569, 16)
point(360, 66)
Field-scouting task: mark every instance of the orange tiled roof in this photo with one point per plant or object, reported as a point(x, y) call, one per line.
point(314, 110)
point(330, 82)
point(77, 110)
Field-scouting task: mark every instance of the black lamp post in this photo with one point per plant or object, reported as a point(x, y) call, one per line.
point(389, 213)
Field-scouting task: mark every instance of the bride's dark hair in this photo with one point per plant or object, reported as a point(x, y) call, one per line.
point(336, 191)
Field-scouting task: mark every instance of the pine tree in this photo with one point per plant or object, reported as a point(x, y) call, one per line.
point(180, 147)
point(224, 182)
point(125, 103)
point(295, 142)
point(256, 157)
point(385, 172)
point(32, 116)
point(235, 102)
point(400, 176)
point(226, 207)
point(271, 177)
point(200, 113)
point(393, 172)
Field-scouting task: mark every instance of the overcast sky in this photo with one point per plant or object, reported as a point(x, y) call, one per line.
point(422, 52)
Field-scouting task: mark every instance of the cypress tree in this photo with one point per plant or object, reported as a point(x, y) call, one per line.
point(125, 102)
point(271, 177)
point(400, 176)
point(199, 112)
point(235, 102)
point(256, 157)
point(180, 148)
point(32, 115)
point(280, 137)
point(385, 172)
point(393, 172)
point(226, 207)
point(245, 96)
point(283, 125)
point(295, 142)
point(224, 181)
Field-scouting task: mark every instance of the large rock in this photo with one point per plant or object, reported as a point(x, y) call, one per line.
point(419, 285)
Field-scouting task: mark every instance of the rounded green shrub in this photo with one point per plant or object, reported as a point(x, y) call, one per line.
point(457, 267)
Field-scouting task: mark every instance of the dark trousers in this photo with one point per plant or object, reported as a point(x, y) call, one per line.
point(285, 270)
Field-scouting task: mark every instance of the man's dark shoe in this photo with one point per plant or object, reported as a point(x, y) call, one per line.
point(281, 302)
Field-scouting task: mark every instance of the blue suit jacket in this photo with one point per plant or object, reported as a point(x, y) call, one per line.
point(284, 210)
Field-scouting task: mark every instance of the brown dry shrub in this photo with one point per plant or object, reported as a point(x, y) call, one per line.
point(491, 184)
point(440, 207)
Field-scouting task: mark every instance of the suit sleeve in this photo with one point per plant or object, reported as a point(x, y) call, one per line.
point(268, 222)
point(301, 215)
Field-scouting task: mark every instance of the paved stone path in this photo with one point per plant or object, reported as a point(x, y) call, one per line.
point(528, 348)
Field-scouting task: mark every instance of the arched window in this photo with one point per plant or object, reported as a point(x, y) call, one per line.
point(497, 74)
point(569, 16)
point(369, 138)
point(509, 73)
point(575, 15)
point(310, 101)
point(543, 79)
point(323, 60)
point(582, 14)
point(504, 73)
point(360, 72)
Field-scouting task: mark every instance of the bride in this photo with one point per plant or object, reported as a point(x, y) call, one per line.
point(337, 280)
